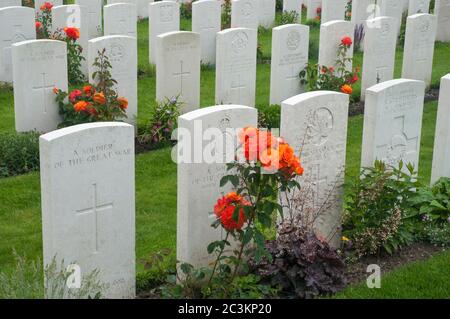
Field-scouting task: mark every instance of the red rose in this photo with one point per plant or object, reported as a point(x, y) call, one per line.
point(74, 95)
point(347, 41)
point(38, 25)
point(47, 6)
point(73, 33)
point(224, 210)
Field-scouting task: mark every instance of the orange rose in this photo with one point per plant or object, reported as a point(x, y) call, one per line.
point(81, 106)
point(73, 33)
point(282, 159)
point(99, 98)
point(255, 142)
point(123, 103)
point(347, 89)
point(55, 90)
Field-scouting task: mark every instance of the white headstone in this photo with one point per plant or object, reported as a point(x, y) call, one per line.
point(73, 16)
point(16, 24)
point(236, 66)
point(363, 10)
point(206, 21)
point(442, 11)
point(290, 47)
point(142, 9)
point(333, 10)
point(38, 67)
point(379, 52)
point(393, 122)
point(122, 53)
point(419, 47)
point(316, 124)
point(164, 16)
point(244, 14)
point(391, 8)
point(135, 2)
point(199, 179)
point(94, 8)
point(10, 3)
point(178, 68)
point(312, 7)
point(331, 35)
point(441, 154)
point(266, 13)
point(293, 5)
point(418, 6)
point(88, 202)
point(120, 19)
point(38, 3)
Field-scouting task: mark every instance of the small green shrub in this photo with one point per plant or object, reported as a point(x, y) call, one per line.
point(434, 202)
point(186, 10)
point(157, 267)
point(19, 153)
point(162, 123)
point(26, 281)
point(436, 234)
point(226, 14)
point(269, 116)
point(378, 211)
point(289, 17)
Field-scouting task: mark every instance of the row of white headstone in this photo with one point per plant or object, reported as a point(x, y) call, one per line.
point(178, 69)
point(91, 220)
point(38, 66)
point(95, 6)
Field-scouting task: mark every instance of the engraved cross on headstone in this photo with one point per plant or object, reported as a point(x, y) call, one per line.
point(44, 87)
point(381, 73)
point(17, 35)
point(94, 211)
point(399, 145)
point(238, 85)
point(212, 218)
point(317, 181)
point(181, 74)
point(293, 80)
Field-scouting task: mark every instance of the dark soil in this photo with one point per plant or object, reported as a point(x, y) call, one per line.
point(416, 252)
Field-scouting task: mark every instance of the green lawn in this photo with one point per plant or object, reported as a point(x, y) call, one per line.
point(426, 279)
point(20, 212)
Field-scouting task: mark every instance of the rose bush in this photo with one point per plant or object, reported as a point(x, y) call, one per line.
point(44, 21)
point(266, 166)
point(320, 77)
point(95, 102)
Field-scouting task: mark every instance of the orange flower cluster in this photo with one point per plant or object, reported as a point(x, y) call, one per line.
point(86, 100)
point(224, 210)
point(347, 89)
point(47, 6)
point(274, 154)
point(99, 98)
point(72, 32)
